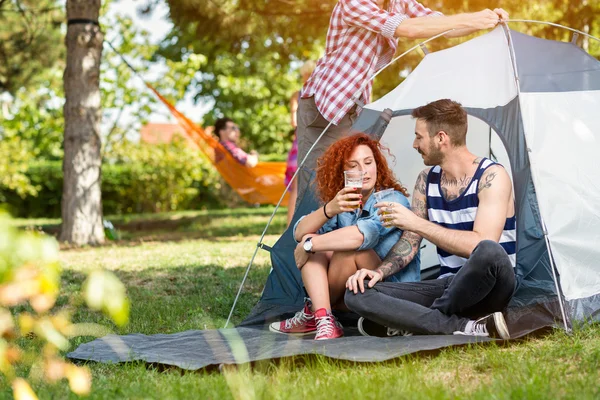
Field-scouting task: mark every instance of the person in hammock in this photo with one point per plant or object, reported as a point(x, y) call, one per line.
point(344, 235)
point(229, 136)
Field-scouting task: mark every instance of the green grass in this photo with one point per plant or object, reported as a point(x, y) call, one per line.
point(180, 225)
point(190, 283)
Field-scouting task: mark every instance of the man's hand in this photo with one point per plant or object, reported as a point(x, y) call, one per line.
point(395, 214)
point(356, 282)
point(501, 13)
point(485, 19)
point(300, 255)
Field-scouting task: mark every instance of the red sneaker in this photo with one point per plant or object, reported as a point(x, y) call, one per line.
point(303, 323)
point(327, 326)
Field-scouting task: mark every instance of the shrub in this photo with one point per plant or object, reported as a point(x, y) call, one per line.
point(155, 178)
point(29, 287)
point(135, 178)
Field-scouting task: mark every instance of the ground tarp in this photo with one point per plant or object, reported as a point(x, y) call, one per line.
point(195, 349)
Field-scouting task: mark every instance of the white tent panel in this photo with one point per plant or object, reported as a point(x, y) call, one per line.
point(563, 133)
point(407, 163)
point(477, 73)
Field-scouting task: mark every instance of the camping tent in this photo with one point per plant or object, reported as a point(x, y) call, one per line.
point(533, 104)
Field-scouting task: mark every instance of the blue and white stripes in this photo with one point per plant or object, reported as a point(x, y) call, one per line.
point(460, 214)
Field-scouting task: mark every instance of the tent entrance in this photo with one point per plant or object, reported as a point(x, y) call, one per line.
point(407, 164)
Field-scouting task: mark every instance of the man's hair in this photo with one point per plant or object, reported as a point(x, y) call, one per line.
point(444, 115)
point(221, 124)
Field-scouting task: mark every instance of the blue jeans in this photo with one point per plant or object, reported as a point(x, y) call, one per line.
point(483, 285)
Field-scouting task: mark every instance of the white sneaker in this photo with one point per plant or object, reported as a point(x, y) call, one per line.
point(493, 325)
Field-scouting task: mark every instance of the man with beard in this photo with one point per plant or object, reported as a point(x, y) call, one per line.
point(464, 205)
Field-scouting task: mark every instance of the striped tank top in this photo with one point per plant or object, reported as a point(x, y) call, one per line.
point(460, 214)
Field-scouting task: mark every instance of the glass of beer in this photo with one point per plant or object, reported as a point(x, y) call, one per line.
point(354, 179)
point(382, 196)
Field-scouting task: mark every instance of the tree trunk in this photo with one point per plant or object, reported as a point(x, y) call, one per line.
point(82, 198)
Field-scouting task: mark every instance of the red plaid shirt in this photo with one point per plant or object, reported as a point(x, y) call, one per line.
point(238, 154)
point(360, 41)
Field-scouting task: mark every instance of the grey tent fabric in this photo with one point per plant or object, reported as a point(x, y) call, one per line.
point(566, 67)
point(193, 350)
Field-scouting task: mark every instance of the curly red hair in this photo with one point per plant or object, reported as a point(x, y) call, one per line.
point(330, 166)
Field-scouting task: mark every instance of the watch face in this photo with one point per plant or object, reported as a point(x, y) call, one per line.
point(307, 245)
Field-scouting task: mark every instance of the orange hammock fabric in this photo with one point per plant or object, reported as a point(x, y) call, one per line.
point(262, 184)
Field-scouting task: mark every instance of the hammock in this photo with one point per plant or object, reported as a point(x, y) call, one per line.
point(262, 184)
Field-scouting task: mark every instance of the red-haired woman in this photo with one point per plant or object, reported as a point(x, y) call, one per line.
point(336, 240)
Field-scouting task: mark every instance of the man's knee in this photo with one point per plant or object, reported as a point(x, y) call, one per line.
point(355, 302)
point(488, 251)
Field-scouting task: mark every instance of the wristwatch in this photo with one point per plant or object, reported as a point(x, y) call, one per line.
point(308, 245)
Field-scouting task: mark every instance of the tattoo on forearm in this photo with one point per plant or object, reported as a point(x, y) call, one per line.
point(486, 181)
point(401, 254)
point(386, 269)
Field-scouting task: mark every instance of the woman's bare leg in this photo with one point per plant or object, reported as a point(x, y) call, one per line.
point(342, 265)
point(314, 276)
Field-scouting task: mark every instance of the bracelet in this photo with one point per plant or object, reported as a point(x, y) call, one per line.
point(325, 212)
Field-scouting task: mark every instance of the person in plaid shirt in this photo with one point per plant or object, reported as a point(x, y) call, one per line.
point(362, 39)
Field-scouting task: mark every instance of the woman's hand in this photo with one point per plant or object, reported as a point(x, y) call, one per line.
point(300, 255)
point(395, 214)
point(347, 199)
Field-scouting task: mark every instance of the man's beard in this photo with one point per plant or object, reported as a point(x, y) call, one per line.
point(433, 157)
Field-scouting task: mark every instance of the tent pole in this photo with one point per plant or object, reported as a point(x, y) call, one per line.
point(352, 99)
point(556, 284)
point(533, 177)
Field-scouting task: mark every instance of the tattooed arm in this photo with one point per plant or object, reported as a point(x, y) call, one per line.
point(407, 247)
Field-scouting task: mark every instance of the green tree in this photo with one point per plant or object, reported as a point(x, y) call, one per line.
point(30, 53)
point(35, 116)
point(252, 50)
point(30, 41)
